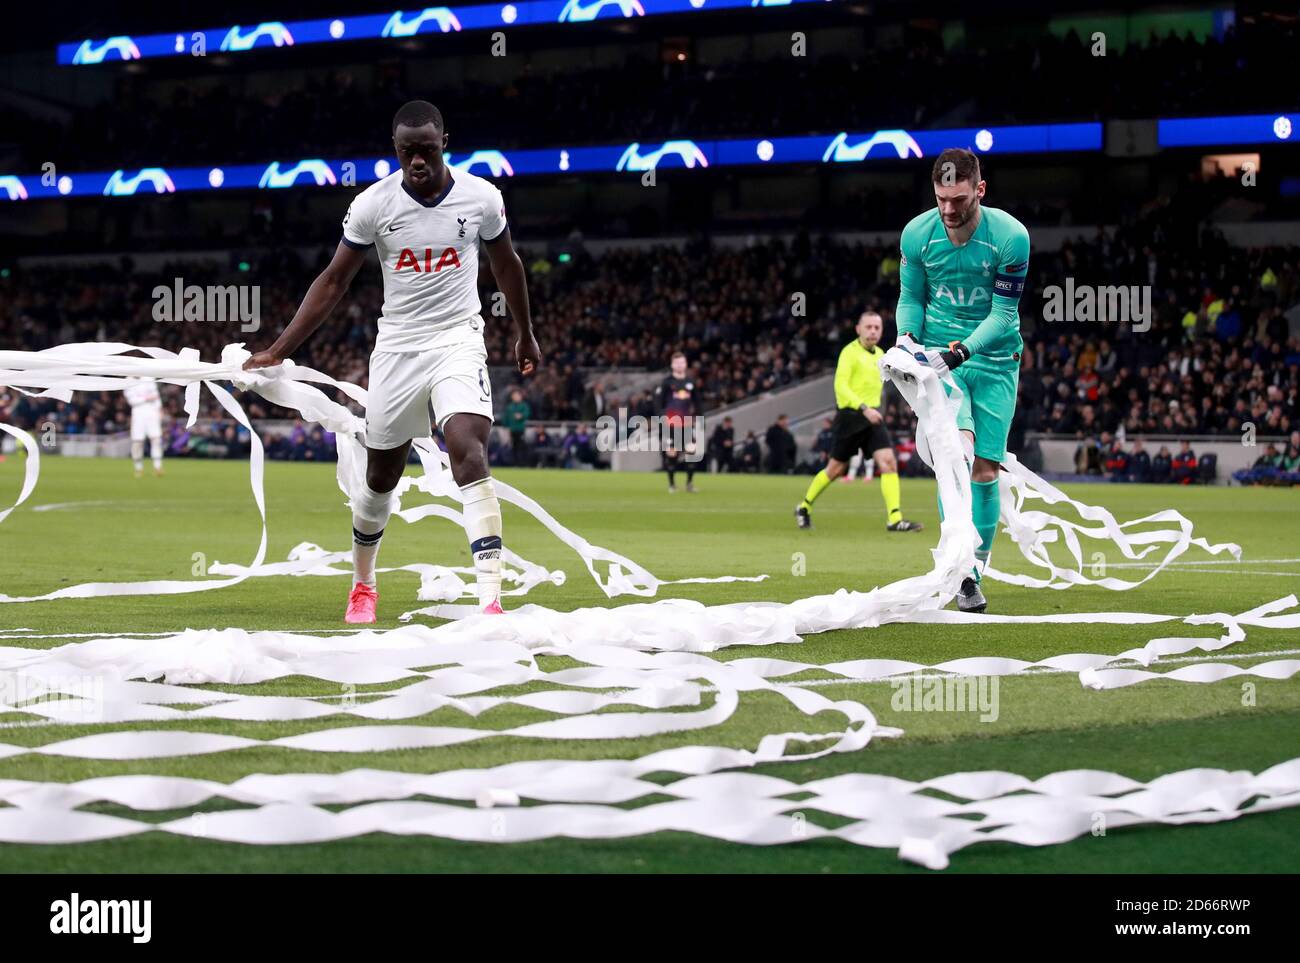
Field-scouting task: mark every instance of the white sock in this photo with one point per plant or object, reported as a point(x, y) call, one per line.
point(483, 525)
point(155, 449)
point(370, 513)
point(137, 454)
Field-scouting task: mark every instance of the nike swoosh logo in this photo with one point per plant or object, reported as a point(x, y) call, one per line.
point(392, 228)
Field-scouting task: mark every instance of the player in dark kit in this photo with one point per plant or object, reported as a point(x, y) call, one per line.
point(675, 401)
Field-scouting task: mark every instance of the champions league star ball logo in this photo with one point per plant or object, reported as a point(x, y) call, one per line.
point(277, 33)
point(119, 185)
point(14, 189)
point(496, 163)
point(441, 17)
point(575, 11)
point(91, 53)
point(320, 172)
point(686, 150)
point(903, 143)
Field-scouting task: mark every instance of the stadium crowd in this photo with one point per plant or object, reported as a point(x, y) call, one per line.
point(1217, 358)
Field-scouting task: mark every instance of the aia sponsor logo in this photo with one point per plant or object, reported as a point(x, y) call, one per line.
point(409, 260)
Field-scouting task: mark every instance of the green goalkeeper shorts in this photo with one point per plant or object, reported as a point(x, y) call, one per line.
point(987, 406)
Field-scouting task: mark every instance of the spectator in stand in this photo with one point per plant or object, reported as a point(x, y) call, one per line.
point(1116, 462)
point(781, 447)
point(1087, 457)
point(1183, 468)
point(751, 454)
point(578, 448)
point(546, 449)
point(1161, 465)
point(1289, 460)
point(1272, 458)
point(595, 402)
point(1139, 463)
point(517, 413)
point(821, 449)
point(721, 443)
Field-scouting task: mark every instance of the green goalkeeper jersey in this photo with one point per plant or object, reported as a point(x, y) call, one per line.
point(970, 293)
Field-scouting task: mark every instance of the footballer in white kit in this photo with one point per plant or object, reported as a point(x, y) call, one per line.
point(425, 223)
point(146, 422)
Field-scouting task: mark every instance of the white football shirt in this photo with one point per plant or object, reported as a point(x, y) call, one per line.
point(428, 251)
point(140, 393)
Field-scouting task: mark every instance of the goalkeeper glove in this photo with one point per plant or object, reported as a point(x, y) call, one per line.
point(944, 361)
point(956, 354)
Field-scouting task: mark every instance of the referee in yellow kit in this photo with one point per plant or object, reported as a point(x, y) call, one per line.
point(860, 426)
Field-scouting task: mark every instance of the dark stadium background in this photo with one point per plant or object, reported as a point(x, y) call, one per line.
point(706, 261)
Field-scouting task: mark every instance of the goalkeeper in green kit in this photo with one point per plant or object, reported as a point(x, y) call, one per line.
point(961, 275)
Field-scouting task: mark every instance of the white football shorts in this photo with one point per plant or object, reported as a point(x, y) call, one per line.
point(451, 375)
point(146, 422)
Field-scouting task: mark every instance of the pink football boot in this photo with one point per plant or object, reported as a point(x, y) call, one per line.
point(361, 604)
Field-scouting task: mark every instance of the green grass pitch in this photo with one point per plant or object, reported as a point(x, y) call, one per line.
point(105, 525)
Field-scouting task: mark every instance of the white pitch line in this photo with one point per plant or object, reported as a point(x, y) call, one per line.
point(58, 506)
point(1211, 571)
point(1210, 561)
point(33, 724)
point(104, 635)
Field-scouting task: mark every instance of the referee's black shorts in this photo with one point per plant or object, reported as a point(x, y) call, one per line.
point(851, 433)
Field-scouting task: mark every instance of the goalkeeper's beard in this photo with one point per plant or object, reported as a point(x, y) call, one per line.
point(966, 219)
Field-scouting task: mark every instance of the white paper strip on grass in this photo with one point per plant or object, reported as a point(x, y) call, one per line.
point(885, 812)
point(748, 819)
point(57, 372)
point(650, 649)
point(32, 470)
point(1034, 531)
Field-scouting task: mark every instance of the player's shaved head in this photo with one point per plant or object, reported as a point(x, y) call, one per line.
point(417, 113)
point(870, 327)
point(419, 139)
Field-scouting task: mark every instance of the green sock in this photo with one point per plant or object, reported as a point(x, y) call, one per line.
point(986, 506)
point(816, 487)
